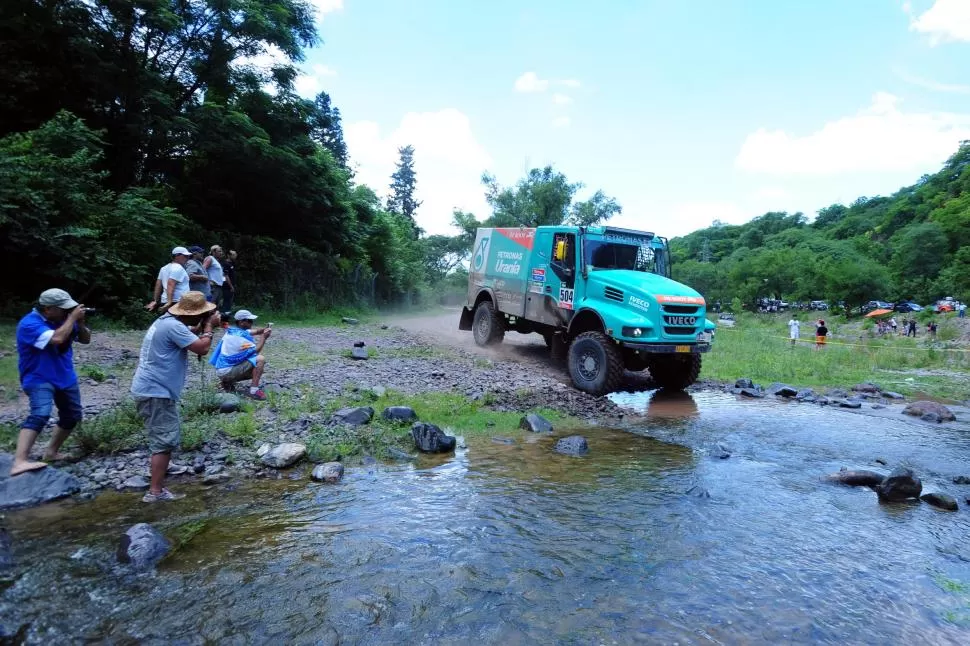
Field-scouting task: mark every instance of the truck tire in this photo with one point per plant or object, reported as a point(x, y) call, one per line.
point(675, 372)
point(595, 363)
point(488, 327)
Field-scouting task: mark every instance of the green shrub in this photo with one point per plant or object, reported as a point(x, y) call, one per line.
point(118, 429)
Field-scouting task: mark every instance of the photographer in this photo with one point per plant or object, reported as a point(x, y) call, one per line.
point(45, 339)
point(160, 378)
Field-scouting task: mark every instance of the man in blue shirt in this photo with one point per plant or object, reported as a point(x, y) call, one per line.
point(237, 357)
point(46, 362)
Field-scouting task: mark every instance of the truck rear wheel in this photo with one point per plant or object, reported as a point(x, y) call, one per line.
point(675, 372)
point(595, 363)
point(488, 327)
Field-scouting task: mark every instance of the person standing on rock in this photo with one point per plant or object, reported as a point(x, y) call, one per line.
point(45, 340)
point(172, 281)
point(238, 356)
point(794, 327)
point(160, 378)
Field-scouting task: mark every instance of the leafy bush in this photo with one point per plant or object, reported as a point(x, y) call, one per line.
point(119, 429)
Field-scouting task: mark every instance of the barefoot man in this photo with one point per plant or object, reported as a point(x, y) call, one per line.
point(45, 339)
point(160, 377)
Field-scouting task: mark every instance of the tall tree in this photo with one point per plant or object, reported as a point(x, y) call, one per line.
point(596, 210)
point(404, 182)
point(326, 128)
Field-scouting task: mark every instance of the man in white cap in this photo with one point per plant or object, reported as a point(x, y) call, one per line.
point(160, 378)
point(172, 281)
point(238, 356)
point(45, 340)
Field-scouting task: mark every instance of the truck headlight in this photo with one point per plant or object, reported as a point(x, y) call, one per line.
point(635, 332)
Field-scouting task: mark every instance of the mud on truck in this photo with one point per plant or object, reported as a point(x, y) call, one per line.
point(600, 295)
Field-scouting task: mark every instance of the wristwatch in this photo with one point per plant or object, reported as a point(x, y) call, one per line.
point(208, 334)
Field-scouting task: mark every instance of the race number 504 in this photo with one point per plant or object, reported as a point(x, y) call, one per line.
point(565, 298)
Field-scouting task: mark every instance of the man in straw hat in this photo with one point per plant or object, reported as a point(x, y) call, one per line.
point(160, 377)
point(46, 362)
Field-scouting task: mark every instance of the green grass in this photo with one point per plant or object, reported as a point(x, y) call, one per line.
point(9, 374)
point(758, 348)
point(8, 437)
point(94, 372)
point(318, 318)
point(119, 429)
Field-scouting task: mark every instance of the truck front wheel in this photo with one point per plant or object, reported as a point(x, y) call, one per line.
point(675, 372)
point(488, 327)
point(595, 363)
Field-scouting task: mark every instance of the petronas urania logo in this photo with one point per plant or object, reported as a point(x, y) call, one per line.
point(480, 254)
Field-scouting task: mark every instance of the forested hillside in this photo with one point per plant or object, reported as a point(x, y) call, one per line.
point(910, 245)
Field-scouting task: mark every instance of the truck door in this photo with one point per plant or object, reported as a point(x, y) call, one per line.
point(563, 266)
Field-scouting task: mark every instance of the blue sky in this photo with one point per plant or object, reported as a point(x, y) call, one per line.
point(685, 111)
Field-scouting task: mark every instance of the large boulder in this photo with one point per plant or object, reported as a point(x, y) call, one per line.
point(572, 445)
point(431, 439)
point(925, 409)
point(353, 416)
point(400, 414)
point(535, 423)
point(359, 353)
point(869, 388)
point(860, 478)
point(781, 390)
point(142, 546)
point(284, 455)
point(902, 484)
point(328, 472)
point(940, 500)
point(33, 487)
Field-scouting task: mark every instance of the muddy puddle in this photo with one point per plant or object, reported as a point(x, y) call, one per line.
point(651, 538)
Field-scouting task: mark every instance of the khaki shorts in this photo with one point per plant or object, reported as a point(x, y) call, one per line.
point(238, 372)
point(162, 423)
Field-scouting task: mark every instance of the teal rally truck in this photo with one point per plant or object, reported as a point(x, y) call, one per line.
point(602, 296)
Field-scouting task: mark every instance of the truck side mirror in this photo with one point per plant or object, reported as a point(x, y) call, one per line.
point(560, 252)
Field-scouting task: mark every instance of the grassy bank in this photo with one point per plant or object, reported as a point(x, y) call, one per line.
point(758, 347)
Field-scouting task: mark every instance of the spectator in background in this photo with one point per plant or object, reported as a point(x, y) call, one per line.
point(198, 279)
point(821, 334)
point(794, 327)
point(214, 270)
point(962, 310)
point(172, 281)
point(894, 326)
point(911, 331)
point(229, 287)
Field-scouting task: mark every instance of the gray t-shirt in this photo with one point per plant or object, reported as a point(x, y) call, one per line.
point(193, 266)
point(163, 360)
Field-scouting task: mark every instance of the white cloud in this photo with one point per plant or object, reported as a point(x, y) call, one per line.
point(560, 122)
point(323, 7)
point(930, 84)
point(448, 161)
point(879, 138)
point(561, 99)
point(946, 20)
point(530, 82)
point(310, 83)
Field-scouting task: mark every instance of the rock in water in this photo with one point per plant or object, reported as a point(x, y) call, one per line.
point(359, 353)
point(431, 439)
point(228, 403)
point(806, 395)
point(353, 416)
point(142, 546)
point(754, 393)
point(859, 478)
point(33, 487)
point(284, 455)
point(744, 382)
point(940, 500)
point(572, 445)
point(901, 484)
point(400, 414)
point(535, 423)
point(921, 408)
point(328, 472)
point(961, 480)
point(781, 390)
point(849, 403)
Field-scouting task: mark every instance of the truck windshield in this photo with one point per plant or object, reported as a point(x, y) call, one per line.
point(606, 254)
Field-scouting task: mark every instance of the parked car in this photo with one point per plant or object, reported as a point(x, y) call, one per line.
point(877, 305)
point(908, 306)
point(726, 320)
point(946, 305)
point(820, 306)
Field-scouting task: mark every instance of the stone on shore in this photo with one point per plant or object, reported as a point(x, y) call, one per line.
point(359, 353)
point(572, 445)
point(924, 408)
point(136, 483)
point(353, 416)
point(33, 487)
point(744, 382)
point(940, 500)
point(284, 455)
point(902, 484)
point(431, 439)
point(349, 321)
point(860, 478)
point(228, 403)
point(535, 423)
point(328, 472)
point(781, 390)
point(142, 546)
point(867, 387)
point(753, 393)
point(400, 414)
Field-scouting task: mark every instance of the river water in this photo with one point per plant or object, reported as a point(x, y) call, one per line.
point(651, 538)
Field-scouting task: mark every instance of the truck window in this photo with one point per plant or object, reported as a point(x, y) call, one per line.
point(565, 269)
point(617, 255)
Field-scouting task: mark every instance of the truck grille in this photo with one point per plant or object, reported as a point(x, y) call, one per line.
point(613, 294)
point(679, 331)
point(680, 309)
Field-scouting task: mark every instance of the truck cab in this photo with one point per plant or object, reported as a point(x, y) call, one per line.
point(601, 295)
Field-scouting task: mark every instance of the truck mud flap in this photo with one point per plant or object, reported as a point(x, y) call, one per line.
point(465, 323)
point(672, 348)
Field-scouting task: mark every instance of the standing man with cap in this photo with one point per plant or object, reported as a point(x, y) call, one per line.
point(172, 281)
point(45, 340)
point(160, 378)
point(237, 357)
point(198, 278)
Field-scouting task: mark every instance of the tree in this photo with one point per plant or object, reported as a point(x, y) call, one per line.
point(403, 185)
point(597, 209)
point(326, 129)
point(543, 197)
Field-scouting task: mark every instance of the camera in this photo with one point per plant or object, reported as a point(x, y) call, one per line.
point(90, 310)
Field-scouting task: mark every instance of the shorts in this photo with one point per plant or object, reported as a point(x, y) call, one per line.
point(43, 397)
point(238, 372)
point(820, 340)
point(162, 422)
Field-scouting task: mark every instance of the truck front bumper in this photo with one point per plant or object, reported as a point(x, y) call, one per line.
point(668, 348)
